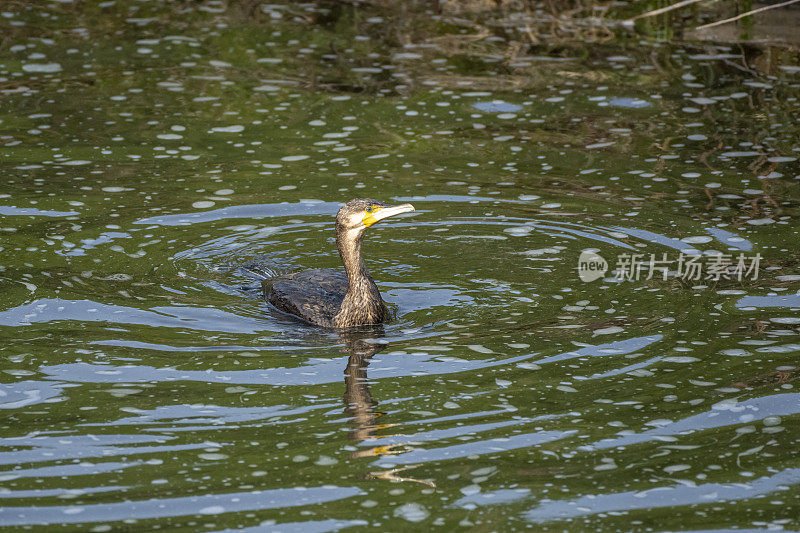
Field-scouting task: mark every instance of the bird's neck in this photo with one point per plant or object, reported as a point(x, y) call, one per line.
point(363, 303)
point(357, 273)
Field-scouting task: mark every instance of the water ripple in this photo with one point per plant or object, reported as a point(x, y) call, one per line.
point(182, 506)
point(668, 496)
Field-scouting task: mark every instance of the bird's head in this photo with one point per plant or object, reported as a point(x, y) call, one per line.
point(357, 215)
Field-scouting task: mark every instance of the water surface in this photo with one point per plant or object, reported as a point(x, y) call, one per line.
point(150, 150)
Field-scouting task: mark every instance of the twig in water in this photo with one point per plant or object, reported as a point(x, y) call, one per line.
point(665, 9)
point(752, 12)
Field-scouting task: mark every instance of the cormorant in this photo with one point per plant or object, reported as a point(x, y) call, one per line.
point(331, 298)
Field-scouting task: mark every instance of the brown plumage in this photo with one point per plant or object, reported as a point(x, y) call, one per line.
point(331, 298)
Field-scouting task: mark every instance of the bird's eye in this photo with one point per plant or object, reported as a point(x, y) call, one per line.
point(369, 209)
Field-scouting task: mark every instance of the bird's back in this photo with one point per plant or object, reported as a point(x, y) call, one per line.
point(314, 295)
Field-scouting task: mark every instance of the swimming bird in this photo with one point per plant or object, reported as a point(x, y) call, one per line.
point(331, 298)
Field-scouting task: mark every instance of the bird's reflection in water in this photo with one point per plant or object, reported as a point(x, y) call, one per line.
point(361, 345)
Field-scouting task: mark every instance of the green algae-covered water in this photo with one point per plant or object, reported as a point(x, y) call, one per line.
point(596, 298)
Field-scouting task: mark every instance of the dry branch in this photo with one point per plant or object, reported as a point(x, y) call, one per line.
point(665, 9)
point(752, 12)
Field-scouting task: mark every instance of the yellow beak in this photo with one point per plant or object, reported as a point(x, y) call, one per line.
point(379, 213)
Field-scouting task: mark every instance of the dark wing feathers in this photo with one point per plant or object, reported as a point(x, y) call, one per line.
point(314, 295)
